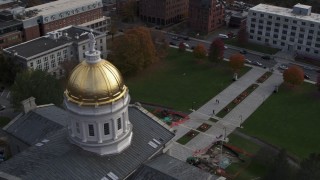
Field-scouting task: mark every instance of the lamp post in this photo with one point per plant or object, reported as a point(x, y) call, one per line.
point(224, 139)
point(240, 117)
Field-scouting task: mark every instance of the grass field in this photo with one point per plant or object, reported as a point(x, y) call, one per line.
point(180, 80)
point(289, 119)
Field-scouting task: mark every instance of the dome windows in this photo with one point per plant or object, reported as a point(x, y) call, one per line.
point(119, 123)
point(91, 129)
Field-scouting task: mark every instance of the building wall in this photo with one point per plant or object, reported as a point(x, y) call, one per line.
point(291, 34)
point(31, 33)
point(206, 18)
point(10, 39)
point(71, 20)
point(163, 12)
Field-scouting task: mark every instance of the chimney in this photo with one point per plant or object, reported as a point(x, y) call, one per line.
point(28, 104)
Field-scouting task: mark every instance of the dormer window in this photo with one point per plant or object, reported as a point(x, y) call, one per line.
point(91, 130)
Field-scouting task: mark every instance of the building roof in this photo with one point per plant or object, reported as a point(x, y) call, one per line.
point(167, 167)
point(281, 11)
point(60, 6)
point(6, 1)
point(38, 124)
point(6, 24)
point(45, 43)
point(59, 159)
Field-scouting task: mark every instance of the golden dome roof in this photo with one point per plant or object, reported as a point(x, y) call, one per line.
point(93, 84)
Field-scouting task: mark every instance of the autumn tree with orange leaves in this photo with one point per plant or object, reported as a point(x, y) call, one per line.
point(182, 47)
point(236, 61)
point(200, 51)
point(294, 75)
point(134, 51)
point(216, 50)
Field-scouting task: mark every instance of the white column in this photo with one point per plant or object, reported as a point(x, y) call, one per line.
point(115, 129)
point(99, 133)
point(72, 128)
point(83, 132)
point(124, 120)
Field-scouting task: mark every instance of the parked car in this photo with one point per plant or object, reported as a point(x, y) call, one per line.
point(172, 43)
point(2, 107)
point(225, 47)
point(175, 38)
point(266, 57)
point(248, 61)
point(243, 51)
point(223, 36)
point(306, 76)
point(186, 45)
point(283, 67)
point(186, 38)
point(257, 63)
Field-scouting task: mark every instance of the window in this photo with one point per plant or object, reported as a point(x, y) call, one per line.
point(311, 25)
point(303, 23)
point(284, 32)
point(268, 28)
point(53, 63)
point(275, 35)
point(100, 40)
point(274, 42)
point(252, 25)
point(292, 39)
point(317, 45)
point(31, 64)
point(83, 47)
point(260, 32)
point(251, 30)
point(286, 20)
point(293, 27)
point(52, 56)
point(267, 34)
point(278, 18)
point(261, 15)
point(253, 19)
point(309, 43)
point(119, 123)
point(254, 13)
point(276, 30)
point(299, 47)
point(277, 24)
point(106, 129)
point(46, 65)
point(292, 34)
point(77, 128)
point(261, 21)
point(259, 38)
point(282, 43)
point(270, 17)
point(300, 41)
point(91, 130)
point(260, 27)
point(316, 51)
point(302, 29)
point(310, 37)
point(301, 35)
point(285, 26)
point(269, 23)
point(283, 37)
point(308, 49)
point(311, 31)
point(294, 22)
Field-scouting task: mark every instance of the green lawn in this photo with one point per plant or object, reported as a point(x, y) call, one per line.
point(252, 46)
point(289, 119)
point(180, 80)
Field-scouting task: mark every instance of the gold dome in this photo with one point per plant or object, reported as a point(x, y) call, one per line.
point(93, 84)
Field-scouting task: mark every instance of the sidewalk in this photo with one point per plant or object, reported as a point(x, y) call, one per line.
point(232, 120)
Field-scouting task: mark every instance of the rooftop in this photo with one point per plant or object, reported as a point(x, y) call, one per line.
point(6, 1)
point(38, 123)
point(281, 11)
point(170, 168)
point(59, 159)
point(60, 6)
point(45, 43)
point(6, 24)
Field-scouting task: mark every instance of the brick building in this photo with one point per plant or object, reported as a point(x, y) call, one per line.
point(163, 12)
point(4, 4)
point(39, 20)
point(206, 15)
point(10, 30)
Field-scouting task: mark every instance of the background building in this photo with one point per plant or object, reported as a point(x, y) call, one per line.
point(206, 15)
point(10, 30)
point(296, 30)
point(48, 52)
point(163, 12)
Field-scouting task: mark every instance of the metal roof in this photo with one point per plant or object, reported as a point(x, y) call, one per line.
point(59, 159)
point(167, 167)
point(38, 124)
point(44, 43)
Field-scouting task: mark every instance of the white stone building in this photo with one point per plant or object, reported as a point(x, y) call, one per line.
point(296, 30)
point(48, 52)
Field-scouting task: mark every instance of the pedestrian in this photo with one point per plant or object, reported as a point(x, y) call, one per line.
point(212, 112)
point(218, 101)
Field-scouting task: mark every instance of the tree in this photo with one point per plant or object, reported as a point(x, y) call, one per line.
point(242, 36)
point(236, 61)
point(39, 84)
point(200, 51)
point(280, 169)
point(129, 11)
point(310, 168)
point(8, 70)
point(216, 50)
point(133, 51)
point(182, 47)
point(160, 42)
point(293, 75)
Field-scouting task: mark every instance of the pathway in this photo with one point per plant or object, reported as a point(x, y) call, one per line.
point(232, 120)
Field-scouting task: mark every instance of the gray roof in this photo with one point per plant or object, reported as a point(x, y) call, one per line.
point(167, 167)
point(44, 43)
point(59, 159)
point(6, 24)
point(38, 124)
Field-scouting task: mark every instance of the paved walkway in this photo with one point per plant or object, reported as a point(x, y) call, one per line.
point(232, 120)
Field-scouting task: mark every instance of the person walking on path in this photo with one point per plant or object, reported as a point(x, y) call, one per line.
point(212, 112)
point(217, 101)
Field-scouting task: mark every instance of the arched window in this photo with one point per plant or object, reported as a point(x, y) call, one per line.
point(91, 130)
point(119, 123)
point(106, 129)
